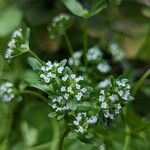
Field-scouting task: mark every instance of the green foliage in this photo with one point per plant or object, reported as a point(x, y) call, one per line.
point(10, 18)
point(77, 9)
point(84, 101)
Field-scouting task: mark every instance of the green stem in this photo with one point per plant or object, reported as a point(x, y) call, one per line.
point(1, 66)
point(127, 128)
point(68, 44)
point(36, 94)
point(85, 41)
point(63, 138)
point(140, 82)
point(54, 144)
point(34, 55)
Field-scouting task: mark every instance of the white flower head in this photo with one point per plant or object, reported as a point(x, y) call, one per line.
point(6, 91)
point(104, 67)
point(18, 44)
point(93, 53)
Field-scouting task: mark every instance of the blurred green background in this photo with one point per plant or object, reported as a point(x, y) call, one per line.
point(27, 126)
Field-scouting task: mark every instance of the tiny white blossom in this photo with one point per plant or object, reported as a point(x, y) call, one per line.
point(64, 78)
point(6, 92)
point(92, 120)
point(93, 53)
point(104, 83)
point(60, 69)
point(63, 89)
point(66, 96)
point(104, 67)
point(104, 105)
point(79, 96)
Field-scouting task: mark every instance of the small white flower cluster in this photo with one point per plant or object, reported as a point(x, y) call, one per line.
point(82, 122)
point(117, 53)
point(73, 91)
point(60, 18)
point(75, 59)
point(16, 43)
point(104, 83)
point(93, 53)
point(6, 92)
point(50, 71)
point(124, 89)
point(59, 24)
point(111, 101)
point(104, 67)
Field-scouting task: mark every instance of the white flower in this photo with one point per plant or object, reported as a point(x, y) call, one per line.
point(78, 86)
point(75, 59)
point(66, 96)
point(73, 76)
point(79, 96)
point(64, 78)
point(63, 89)
point(60, 69)
point(80, 78)
point(102, 92)
point(101, 98)
point(93, 53)
point(104, 105)
point(69, 89)
point(16, 44)
point(104, 83)
point(60, 18)
point(116, 52)
point(113, 97)
point(104, 67)
point(92, 120)
point(6, 92)
point(83, 90)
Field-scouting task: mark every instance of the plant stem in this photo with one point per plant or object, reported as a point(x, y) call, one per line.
point(68, 44)
point(1, 66)
point(36, 94)
point(34, 55)
point(127, 128)
point(62, 138)
point(140, 82)
point(54, 144)
point(85, 41)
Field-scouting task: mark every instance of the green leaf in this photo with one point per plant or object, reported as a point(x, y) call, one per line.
point(52, 115)
point(75, 7)
point(34, 63)
point(63, 62)
point(33, 80)
point(99, 5)
point(9, 20)
point(72, 135)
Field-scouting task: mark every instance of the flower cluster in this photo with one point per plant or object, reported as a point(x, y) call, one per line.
point(17, 44)
point(94, 54)
point(49, 71)
point(71, 90)
point(94, 57)
point(59, 24)
point(75, 59)
point(70, 86)
point(104, 67)
point(82, 122)
point(114, 97)
point(105, 83)
point(117, 53)
point(6, 91)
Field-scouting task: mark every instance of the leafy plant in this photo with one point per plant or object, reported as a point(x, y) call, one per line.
point(85, 93)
